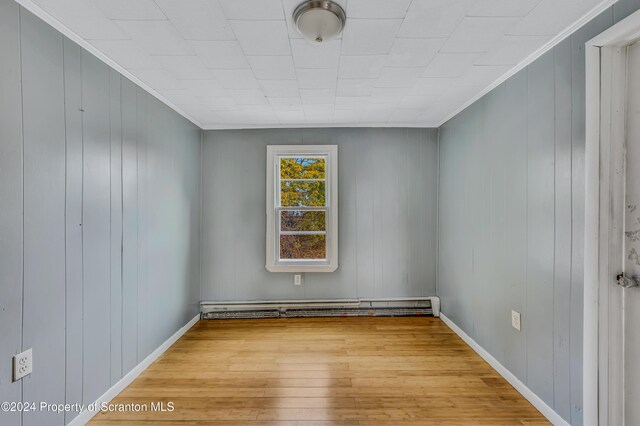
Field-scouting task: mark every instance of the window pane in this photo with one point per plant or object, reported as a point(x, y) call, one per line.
point(296, 220)
point(303, 247)
point(302, 193)
point(302, 168)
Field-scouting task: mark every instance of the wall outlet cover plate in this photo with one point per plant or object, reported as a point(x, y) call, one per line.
point(22, 364)
point(515, 320)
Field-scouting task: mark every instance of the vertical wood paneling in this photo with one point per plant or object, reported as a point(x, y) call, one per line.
point(96, 208)
point(129, 227)
point(44, 221)
point(562, 191)
point(516, 219)
point(455, 249)
point(416, 172)
point(73, 231)
point(11, 202)
point(485, 234)
point(428, 154)
point(376, 235)
point(115, 122)
point(542, 188)
point(141, 135)
point(490, 268)
point(341, 283)
point(160, 175)
point(64, 188)
point(364, 187)
point(624, 8)
point(540, 223)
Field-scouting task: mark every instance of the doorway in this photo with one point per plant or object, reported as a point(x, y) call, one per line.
point(612, 245)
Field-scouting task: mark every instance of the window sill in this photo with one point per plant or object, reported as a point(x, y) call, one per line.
point(301, 268)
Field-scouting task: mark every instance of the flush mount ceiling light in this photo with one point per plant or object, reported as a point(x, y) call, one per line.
point(319, 20)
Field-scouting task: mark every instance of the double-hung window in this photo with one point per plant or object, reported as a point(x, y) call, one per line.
point(302, 208)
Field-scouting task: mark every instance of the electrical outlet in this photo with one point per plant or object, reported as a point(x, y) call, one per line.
point(515, 320)
point(22, 364)
point(297, 279)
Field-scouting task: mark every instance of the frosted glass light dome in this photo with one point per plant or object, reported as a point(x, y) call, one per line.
point(319, 20)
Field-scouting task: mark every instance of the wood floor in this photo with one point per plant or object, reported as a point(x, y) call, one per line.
point(338, 371)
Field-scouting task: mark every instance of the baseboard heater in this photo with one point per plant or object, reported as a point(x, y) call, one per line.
point(394, 307)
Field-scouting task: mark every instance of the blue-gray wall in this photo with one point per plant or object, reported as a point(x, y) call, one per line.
point(387, 206)
point(99, 219)
point(512, 218)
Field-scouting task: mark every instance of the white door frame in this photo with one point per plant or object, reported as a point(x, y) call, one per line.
point(603, 402)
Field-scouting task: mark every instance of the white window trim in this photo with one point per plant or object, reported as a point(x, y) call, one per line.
point(331, 174)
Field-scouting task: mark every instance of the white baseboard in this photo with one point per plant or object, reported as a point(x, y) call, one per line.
point(534, 399)
point(87, 415)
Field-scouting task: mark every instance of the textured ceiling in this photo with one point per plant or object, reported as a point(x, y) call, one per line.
point(240, 63)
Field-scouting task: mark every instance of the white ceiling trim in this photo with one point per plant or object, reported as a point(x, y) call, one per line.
point(535, 55)
point(66, 31)
point(324, 125)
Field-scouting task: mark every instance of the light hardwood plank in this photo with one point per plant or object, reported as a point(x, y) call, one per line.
point(323, 371)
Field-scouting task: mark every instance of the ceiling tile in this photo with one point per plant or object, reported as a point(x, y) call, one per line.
point(220, 54)
point(346, 116)
point(126, 53)
point(280, 88)
point(318, 110)
point(414, 52)
point(417, 102)
point(248, 96)
point(551, 16)
point(433, 18)
point(502, 7)
point(236, 79)
point(272, 67)
point(398, 77)
point(178, 96)
point(382, 9)
point(291, 116)
point(285, 104)
point(156, 37)
point(483, 75)
point(361, 66)
point(375, 116)
point(83, 18)
point(204, 87)
point(185, 67)
point(355, 87)
point(307, 55)
point(352, 101)
point(369, 36)
point(388, 95)
point(511, 50)
point(478, 34)
point(259, 10)
point(158, 79)
point(403, 115)
point(218, 103)
point(131, 10)
point(317, 78)
point(433, 87)
point(318, 96)
point(262, 37)
point(197, 19)
point(454, 98)
point(450, 64)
